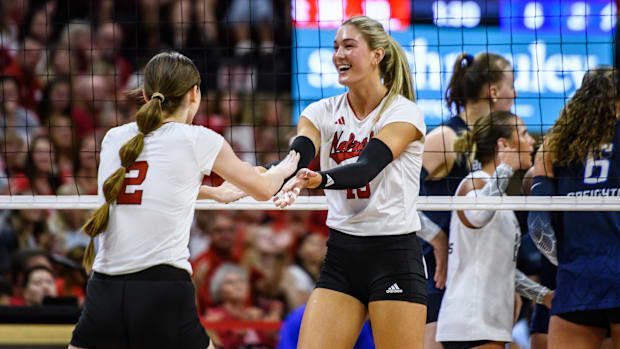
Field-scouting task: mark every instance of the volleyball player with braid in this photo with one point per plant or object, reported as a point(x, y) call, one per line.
point(140, 294)
point(479, 85)
point(370, 142)
point(580, 157)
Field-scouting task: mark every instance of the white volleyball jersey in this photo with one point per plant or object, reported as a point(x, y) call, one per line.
point(387, 205)
point(479, 300)
point(150, 221)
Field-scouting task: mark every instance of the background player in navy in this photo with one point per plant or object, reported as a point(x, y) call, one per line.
point(371, 142)
point(479, 85)
point(580, 157)
point(140, 294)
point(539, 323)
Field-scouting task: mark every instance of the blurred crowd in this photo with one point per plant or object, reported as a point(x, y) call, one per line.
point(66, 70)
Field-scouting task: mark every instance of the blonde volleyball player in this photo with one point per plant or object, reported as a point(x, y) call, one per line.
point(140, 294)
point(370, 141)
point(478, 305)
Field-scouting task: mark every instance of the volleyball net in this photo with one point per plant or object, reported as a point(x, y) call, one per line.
point(262, 62)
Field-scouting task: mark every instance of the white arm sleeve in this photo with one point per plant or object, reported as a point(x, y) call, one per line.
point(428, 229)
point(528, 288)
point(496, 186)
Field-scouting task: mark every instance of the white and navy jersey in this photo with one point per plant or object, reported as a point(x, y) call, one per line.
point(479, 300)
point(387, 205)
point(150, 221)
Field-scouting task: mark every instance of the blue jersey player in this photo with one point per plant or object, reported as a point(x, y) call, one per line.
point(580, 160)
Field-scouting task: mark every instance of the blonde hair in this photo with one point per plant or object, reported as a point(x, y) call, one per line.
point(168, 76)
point(480, 142)
point(394, 67)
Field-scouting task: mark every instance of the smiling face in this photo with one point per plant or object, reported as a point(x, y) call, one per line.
point(352, 57)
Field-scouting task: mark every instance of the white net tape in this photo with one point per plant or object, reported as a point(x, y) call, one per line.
point(424, 203)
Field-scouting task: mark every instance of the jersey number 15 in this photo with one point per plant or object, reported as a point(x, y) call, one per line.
point(134, 198)
point(359, 193)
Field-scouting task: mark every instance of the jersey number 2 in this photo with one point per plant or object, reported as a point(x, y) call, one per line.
point(135, 198)
point(359, 193)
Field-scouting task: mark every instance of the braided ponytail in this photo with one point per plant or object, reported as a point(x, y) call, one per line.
point(167, 74)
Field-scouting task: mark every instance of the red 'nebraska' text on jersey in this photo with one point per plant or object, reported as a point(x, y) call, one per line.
point(386, 206)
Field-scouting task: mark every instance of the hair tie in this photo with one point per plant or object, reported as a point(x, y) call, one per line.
point(469, 59)
point(158, 95)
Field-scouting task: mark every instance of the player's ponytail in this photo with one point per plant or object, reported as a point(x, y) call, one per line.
point(471, 75)
point(480, 143)
point(394, 67)
point(167, 78)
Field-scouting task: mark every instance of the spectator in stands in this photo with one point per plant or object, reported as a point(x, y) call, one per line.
point(15, 154)
point(67, 224)
point(240, 135)
point(109, 37)
point(245, 14)
point(207, 20)
point(41, 171)
point(88, 102)
point(13, 117)
point(8, 36)
point(269, 256)
point(222, 232)
point(86, 168)
point(23, 68)
point(26, 229)
point(39, 23)
point(38, 284)
point(76, 37)
point(23, 260)
point(150, 19)
point(71, 280)
point(199, 239)
point(56, 99)
point(300, 278)
point(64, 142)
point(230, 289)
point(60, 62)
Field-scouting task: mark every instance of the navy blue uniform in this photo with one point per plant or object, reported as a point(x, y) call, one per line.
point(588, 275)
point(540, 316)
point(443, 187)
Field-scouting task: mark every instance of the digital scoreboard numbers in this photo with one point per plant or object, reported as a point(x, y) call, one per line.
point(393, 14)
point(591, 17)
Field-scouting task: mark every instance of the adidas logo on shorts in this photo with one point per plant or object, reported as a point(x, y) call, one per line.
point(394, 289)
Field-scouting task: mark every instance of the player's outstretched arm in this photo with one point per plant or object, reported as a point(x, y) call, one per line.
point(386, 146)
point(243, 175)
point(539, 223)
point(225, 193)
